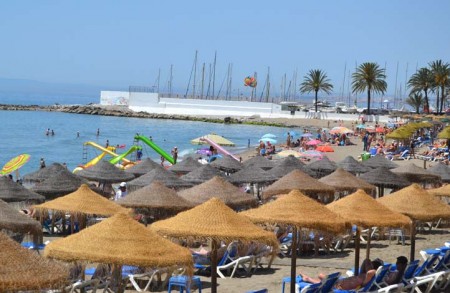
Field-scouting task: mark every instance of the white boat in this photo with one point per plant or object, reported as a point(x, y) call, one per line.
point(342, 107)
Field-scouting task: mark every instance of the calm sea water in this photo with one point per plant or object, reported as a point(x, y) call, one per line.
point(24, 132)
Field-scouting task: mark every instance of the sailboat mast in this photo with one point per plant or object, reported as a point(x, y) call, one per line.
point(159, 77)
point(268, 84)
point(195, 74)
point(395, 95)
point(170, 80)
point(406, 80)
point(203, 80)
point(214, 73)
point(343, 82)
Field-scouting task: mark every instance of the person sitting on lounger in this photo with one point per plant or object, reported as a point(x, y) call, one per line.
point(367, 272)
point(396, 276)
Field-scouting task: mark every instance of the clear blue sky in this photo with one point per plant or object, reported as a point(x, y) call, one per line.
point(121, 43)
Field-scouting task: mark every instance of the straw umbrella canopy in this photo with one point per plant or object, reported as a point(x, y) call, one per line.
point(143, 167)
point(342, 180)
point(44, 173)
point(323, 167)
point(105, 172)
point(24, 270)
point(351, 165)
point(362, 210)
point(11, 191)
point(217, 187)
point(441, 170)
point(384, 178)
point(222, 224)
point(260, 162)
point(187, 165)
point(288, 164)
point(379, 161)
point(251, 174)
point(201, 174)
point(299, 211)
point(60, 184)
point(168, 178)
point(12, 220)
point(83, 201)
point(416, 203)
point(220, 140)
point(445, 133)
point(414, 173)
point(157, 198)
point(443, 191)
point(227, 164)
point(300, 181)
point(120, 240)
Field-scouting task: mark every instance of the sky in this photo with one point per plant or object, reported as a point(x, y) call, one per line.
point(121, 43)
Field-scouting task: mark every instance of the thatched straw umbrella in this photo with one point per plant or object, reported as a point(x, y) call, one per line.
point(105, 172)
point(169, 179)
point(287, 165)
point(344, 181)
point(44, 173)
point(323, 167)
point(443, 191)
point(300, 181)
point(259, 162)
point(379, 161)
point(11, 191)
point(254, 176)
point(12, 220)
point(158, 199)
point(351, 165)
point(143, 167)
point(222, 224)
point(383, 178)
point(187, 165)
point(414, 173)
point(299, 211)
point(201, 174)
point(441, 170)
point(416, 203)
point(362, 210)
point(120, 240)
point(60, 184)
point(227, 164)
point(217, 187)
point(24, 270)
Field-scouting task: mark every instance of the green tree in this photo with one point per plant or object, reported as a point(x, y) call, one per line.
point(316, 80)
point(422, 80)
point(441, 74)
point(371, 78)
point(415, 100)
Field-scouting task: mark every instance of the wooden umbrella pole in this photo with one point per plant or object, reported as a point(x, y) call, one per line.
point(413, 240)
point(214, 245)
point(293, 258)
point(357, 252)
point(368, 243)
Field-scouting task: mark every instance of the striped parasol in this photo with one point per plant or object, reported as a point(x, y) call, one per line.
point(15, 164)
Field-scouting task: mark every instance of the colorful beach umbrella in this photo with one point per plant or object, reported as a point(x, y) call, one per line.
point(325, 149)
point(268, 139)
point(313, 142)
point(15, 164)
point(306, 135)
point(269, 135)
point(340, 129)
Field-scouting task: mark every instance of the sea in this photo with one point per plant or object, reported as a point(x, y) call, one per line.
point(24, 132)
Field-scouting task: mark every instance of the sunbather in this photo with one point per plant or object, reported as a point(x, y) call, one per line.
point(396, 276)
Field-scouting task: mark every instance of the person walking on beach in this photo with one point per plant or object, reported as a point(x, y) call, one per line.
point(122, 192)
point(175, 155)
point(288, 140)
point(365, 139)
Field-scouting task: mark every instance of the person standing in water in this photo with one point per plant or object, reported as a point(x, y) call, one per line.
point(175, 155)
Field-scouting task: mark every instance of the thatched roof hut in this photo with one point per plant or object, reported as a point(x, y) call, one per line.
point(143, 167)
point(219, 188)
point(227, 164)
point(287, 165)
point(351, 165)
point(11, 191)
point(441, 170)
point(169, 179)
point(379, 161)
point(83, 201)
point(300, 181)
point(342, 180)
point(201, 174)
point(414, 173)
point(187, 165)
point(12, 220)
point(127, 242)
point(259, 162)
point(251, 174)
point(105, 172)
point(60, 184)
point(24, 270)
point(323, 167)
point(384, 178)
point(44, 173)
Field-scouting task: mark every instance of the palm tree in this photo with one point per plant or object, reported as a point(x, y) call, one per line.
point(422, 80)
point(369, 76)
point(415, 100)
point(316, 80)
point(441, 74)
